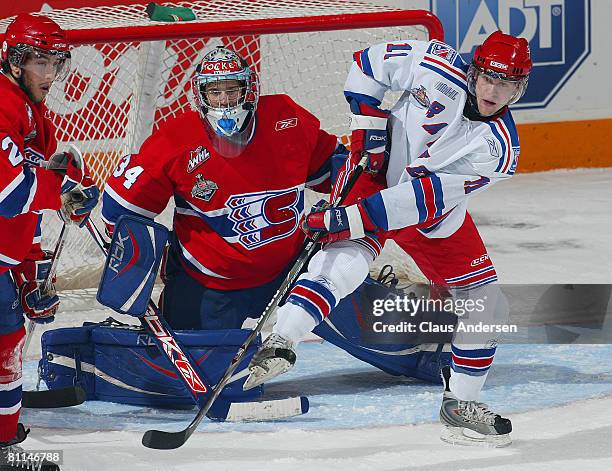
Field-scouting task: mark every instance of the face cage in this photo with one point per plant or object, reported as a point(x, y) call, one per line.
point(474, 71)
point(19, 54)
point(249, 98)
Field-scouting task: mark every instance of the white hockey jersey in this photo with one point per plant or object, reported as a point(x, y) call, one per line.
point(438, 157)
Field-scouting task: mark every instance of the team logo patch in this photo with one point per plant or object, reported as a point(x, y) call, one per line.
point(262, 217)
point(444, 51)
point(492, 147)
point(203, 189)
point(286, 123)
point(420, 95)
point(196, 158)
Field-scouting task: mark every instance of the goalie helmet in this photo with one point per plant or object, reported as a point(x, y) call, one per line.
point(30, 36)
point(226, 91)
point(502, 57)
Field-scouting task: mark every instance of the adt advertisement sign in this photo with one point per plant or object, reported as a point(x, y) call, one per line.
point(558, 32)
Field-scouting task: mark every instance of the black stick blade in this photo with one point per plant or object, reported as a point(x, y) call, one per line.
point(160, 440)
point(54, 398)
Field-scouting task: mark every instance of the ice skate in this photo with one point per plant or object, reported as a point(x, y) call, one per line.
point(471, 422)
point(13, 457)
point(275, 357)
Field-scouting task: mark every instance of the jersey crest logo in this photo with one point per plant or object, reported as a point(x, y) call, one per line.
point(261, 218)
point(420, 96)
point(443, 51)
point(203, 189)
point(196, 158)
point(286, 124)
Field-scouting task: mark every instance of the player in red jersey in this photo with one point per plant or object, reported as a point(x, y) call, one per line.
point(236, 168)
point(34, 54)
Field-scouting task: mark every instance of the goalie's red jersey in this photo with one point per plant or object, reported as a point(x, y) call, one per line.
point(236, 219)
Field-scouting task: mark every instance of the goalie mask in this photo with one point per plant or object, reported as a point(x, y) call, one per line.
point(36, 44)
point(226, 91)
point(505, 63)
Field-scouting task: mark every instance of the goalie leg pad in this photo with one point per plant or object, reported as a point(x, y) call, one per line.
point(344, 328)
point(132, 264)
point(122, 364)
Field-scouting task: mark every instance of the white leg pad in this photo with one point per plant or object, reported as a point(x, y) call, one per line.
point(341, 267)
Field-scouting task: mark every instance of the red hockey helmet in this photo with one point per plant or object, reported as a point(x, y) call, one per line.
point(39, 35)
point(503, 57)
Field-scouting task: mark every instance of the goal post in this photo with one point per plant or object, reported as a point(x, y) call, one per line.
point(130, 74)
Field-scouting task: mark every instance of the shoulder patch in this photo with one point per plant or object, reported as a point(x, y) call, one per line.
point(442, 50)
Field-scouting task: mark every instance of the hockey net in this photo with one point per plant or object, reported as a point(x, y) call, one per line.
point(130, 74)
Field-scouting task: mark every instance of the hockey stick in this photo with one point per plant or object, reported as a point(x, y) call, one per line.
point(169, 440)
point(64, 397)
point(165, 340)
point(46, 286)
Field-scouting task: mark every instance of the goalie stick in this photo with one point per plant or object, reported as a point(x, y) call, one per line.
point(161, 440)
point(64, 397)
point(165, 340)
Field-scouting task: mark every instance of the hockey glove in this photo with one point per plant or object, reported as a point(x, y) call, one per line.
point(340, 223)
point(369, 135)
point(79, 192)
point(30, 275)
point(78, 203)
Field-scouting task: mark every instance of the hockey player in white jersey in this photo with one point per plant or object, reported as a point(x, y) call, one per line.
point(449, 137)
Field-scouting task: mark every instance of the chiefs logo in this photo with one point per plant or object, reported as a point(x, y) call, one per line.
point(260, 218)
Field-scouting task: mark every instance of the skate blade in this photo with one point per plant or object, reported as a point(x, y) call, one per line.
point(466, 437)
point(261, 374)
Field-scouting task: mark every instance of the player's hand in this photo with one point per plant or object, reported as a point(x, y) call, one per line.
point(71, 165)
point(339, 223)
point(39, 304)
point(80, 194)
point(369, 136)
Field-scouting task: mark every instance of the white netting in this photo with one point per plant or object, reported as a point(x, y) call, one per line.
point(119, 92)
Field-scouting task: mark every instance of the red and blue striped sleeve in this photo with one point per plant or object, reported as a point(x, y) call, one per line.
point(23, 188)
point(422, 200)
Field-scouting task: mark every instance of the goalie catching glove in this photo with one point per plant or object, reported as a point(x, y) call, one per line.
point(79, 192)
point(38, 304)
point(339, 223)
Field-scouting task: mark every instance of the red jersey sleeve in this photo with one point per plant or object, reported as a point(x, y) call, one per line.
point(140, 183)
point(23, 188)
